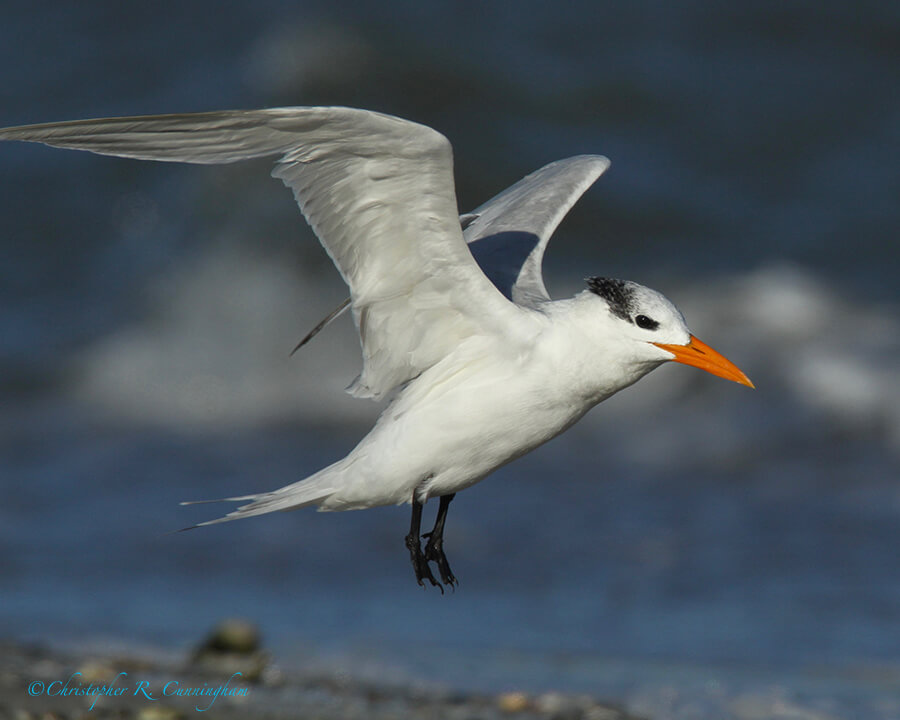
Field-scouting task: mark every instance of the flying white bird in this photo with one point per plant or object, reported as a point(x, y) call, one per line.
point(481, 365)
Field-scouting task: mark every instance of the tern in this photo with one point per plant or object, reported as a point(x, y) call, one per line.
point(457, 330)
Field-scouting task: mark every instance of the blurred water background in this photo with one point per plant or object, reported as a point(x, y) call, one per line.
point(692, 548)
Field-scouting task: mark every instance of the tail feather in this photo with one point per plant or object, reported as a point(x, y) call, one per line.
point(310, 491)
point(238, 498)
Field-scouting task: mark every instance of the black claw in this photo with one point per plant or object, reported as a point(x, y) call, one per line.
point(413, 544)
point(434, 552)
point(420, 563)
point(434, 548)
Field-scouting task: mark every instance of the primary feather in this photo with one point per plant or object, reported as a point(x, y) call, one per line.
point(378, 191)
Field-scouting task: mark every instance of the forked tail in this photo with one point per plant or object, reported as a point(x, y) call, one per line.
point(309, 491)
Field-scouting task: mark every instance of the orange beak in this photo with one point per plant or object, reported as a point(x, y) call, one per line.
point(702, 356)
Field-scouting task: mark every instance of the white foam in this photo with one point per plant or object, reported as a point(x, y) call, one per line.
point(213, 351)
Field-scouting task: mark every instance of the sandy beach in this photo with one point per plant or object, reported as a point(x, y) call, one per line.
point(37, 682)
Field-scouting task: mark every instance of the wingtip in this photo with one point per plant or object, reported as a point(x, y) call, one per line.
point(225, 518)
point(180, 530)
point(334, 314)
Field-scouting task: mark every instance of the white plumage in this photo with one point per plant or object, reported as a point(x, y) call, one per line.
point(483, 365)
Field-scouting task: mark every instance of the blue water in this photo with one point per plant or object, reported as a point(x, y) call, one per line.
point(691, 548)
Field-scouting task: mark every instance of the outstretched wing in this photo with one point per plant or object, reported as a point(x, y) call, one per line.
point(508, 234)
point(378, 192)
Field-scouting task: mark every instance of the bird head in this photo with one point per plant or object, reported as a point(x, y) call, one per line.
point(655, 329)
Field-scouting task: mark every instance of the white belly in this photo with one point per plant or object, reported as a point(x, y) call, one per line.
point(453, 426)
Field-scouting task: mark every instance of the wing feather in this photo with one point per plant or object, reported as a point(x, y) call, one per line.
point(510, 232)
point(377, 190)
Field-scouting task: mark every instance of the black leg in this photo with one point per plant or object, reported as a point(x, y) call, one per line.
point(420, 564)
point(434, 548)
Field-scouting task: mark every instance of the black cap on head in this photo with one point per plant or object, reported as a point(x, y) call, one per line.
point(617, 293)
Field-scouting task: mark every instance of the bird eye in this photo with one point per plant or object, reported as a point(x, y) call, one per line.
point(642, 321)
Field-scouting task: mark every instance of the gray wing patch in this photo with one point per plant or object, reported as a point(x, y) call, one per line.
point(511, 230)
point(508, 234)
point(502, 255)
